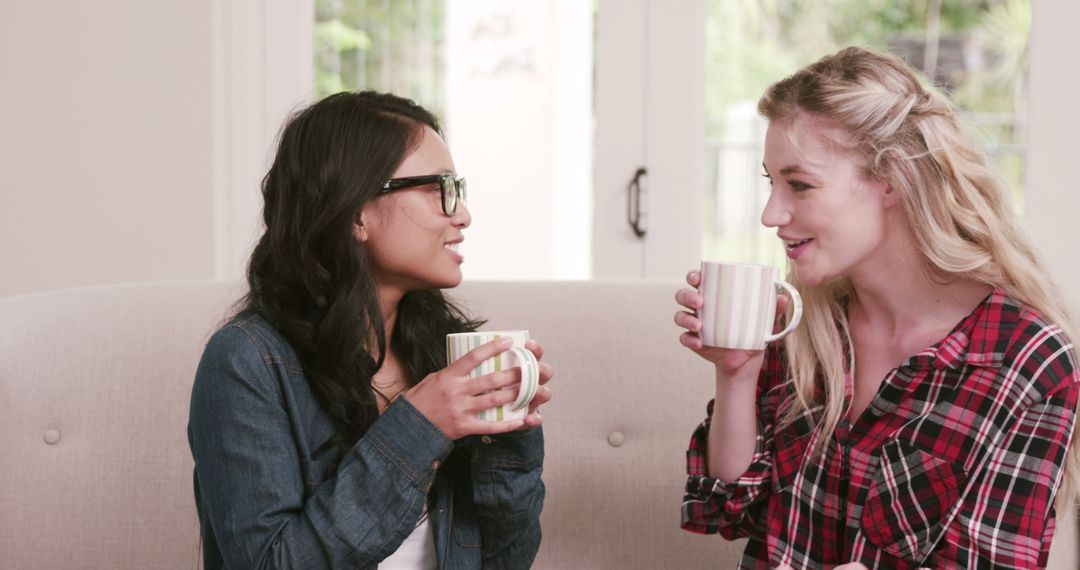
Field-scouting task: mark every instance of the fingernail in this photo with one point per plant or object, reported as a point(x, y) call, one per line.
point(504, 342)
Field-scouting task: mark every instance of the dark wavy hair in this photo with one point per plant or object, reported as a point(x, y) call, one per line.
point(310, 278)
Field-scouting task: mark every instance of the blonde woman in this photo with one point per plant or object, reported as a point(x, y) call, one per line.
point(922, 413)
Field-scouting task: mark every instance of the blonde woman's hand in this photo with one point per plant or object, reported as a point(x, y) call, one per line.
point(543, 393)
point(450, 399)
point(729, 362)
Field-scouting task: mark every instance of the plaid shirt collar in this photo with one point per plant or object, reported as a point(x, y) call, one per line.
point(978, 340)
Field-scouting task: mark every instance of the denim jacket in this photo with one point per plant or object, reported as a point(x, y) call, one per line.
point(266, 497)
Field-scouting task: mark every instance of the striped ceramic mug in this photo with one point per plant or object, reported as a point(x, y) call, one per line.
point(740, 305)
point(459, 344)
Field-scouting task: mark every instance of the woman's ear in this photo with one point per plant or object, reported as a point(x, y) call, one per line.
point(359, 230)
point(888, 195)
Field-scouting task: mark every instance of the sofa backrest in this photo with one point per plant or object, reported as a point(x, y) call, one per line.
point(95, 470)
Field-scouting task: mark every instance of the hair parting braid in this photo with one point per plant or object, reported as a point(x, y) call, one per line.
point(926, 104)
point(909, 105)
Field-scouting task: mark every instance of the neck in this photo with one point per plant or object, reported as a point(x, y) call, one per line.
point(894, 293)
point(915, 302)
point(389, 299)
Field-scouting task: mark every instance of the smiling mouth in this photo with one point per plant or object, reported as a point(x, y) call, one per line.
point(791, 245)
point(454, 247)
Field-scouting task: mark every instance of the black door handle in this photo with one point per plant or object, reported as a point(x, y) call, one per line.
point(634, 211)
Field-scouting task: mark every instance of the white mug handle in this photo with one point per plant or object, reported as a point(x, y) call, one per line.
point(796, 316)
point(530, 376)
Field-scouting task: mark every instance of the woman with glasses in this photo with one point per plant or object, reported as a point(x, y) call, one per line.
point(922, 413)
point(326, 429)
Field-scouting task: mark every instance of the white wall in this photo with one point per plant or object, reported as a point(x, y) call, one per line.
point(132, 135)
point(1052, 201)
point(105, 142)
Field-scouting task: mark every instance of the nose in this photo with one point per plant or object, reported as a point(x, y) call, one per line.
point(777, 213)
point(461, 218)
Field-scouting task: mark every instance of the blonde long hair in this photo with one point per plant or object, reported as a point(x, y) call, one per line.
point(911, 137)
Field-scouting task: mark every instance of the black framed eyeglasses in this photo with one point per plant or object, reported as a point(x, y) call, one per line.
point(452, 188)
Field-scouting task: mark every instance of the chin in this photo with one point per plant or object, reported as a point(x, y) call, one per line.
point(806, 276)
point(449, 281)
point(812, 278)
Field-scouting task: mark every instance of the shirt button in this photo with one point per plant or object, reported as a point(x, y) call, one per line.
point(52, 436)
point(616, 439)
point(486, 439)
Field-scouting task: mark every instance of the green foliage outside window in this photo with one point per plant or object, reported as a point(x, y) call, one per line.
point(386, 45)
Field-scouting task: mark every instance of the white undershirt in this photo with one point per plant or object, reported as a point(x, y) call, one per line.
point(417, 552)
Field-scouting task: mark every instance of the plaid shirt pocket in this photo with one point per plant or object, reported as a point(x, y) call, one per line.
point(909, 499)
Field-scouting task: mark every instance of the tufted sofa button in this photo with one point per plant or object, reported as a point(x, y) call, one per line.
point(52, 436)
point(616, 439)
point(486, 439)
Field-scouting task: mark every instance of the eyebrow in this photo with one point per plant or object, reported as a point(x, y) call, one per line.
point(785, 171)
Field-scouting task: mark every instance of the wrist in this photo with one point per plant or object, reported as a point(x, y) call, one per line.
point(735, 395)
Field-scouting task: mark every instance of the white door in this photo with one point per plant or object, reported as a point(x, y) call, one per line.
point(649, 138)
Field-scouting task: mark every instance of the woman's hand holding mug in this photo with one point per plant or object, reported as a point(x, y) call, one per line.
point(453, 397)
point(494, 382)
point(730, 311)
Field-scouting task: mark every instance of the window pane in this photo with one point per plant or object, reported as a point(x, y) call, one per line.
point(512, 84)
point(976, 49)
point(394, 46)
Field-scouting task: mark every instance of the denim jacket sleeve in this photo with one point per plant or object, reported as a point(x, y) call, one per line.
point(263, 510)
point(509, 495)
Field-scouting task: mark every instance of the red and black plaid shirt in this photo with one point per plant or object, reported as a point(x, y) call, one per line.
point(956, 462)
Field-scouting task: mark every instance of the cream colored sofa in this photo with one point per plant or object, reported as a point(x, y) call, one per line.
point(95, 470)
